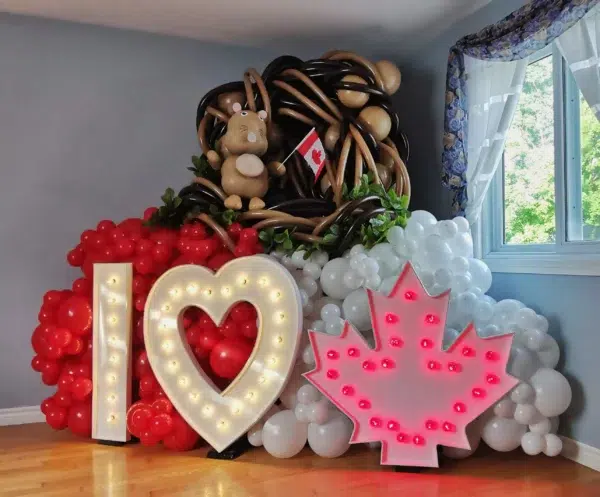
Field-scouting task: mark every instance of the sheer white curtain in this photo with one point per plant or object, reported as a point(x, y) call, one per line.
point(580, 48)
point(493, 90)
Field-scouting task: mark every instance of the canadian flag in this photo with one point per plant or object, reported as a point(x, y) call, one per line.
point(313, 152)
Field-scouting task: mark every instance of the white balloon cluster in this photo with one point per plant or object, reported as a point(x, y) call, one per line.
point(441, 253)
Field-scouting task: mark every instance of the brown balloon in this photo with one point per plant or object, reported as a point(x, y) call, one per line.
point(225, 101)
point(377, 121)
point(390, 74)
point(332, 135)
point(351, 98)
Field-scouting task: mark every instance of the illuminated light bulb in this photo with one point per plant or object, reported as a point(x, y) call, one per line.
point(113, 340)
point(226, 291)
point(275, 295)
point(112, 300)
point(278, 340)
point(368, 366)
point(208, 292)
point(418, 440)
point(114, 359)
point(192, 289)
point(347, 390)
point(432, 319)
point(393, 425)
point(364, 404)
point(173, 366)
point(353, 352)
point(388, 364)
point(449, 427)
point(113, 280)
point(111, 418)
point(112, 398)
point(454, 367)
point(111, 378)
point(332, 374)
point(279, 317)
point(391, 318)
point(273, 361)
point(402, 438)
point(251, 395)
point(222, 425)
point(410, 295)
point(375, 422)
point(478, 393)
point(174, 292)
point(431, 424)
point(434, 365)
point(426, 343)
point(208, 410)
point(492, 379)
point(166, 308)
point(490, 355)
point(261, 380)
point(243, 280)
point(263, 282)
point(468, 352)
point(460, 407)
point(194, 396)
point(167, 346)
point(332, 354)
point(236, 409)
point(396, 342)
point(113, 320)
point(183, 381)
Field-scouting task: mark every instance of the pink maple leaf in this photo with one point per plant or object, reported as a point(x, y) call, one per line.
point(408, 392)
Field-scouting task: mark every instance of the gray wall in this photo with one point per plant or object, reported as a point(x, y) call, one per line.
point(94, 123)
point(569, 302)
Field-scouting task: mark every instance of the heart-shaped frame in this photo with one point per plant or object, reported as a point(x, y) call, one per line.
point(222, 417)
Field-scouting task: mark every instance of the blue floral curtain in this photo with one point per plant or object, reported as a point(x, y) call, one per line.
point(517, 36)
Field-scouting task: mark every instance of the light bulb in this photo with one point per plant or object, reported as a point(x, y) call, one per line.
point(272, 361)
point(111, 418)
point(243, 280)
point(278, 340)
point(113, 320)
point(183, 381)
point(263, 282)
point(251, 395)
point(279, 317)
point(113, 280)
point(208, 410)
point(194, 396)
point(112, 398)
point(166, 308)
point(261, 379)
point(111, 377)
point(167, 346)
point(192, 289)
point(173, 366)
point(226, 291)
point(275, 295)
point(114, 359)
point(112, 300)
point(222, 424)
point(208, 292)
point(174, 292)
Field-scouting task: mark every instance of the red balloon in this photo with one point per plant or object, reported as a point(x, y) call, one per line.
point(75, 313)
point(148, 438)
point(249, 329)
point(148, 386)
point(125, 248)
point(60, 337)
point(81, 389)
point(80, 419)
point(83, 287)
point(139, 416)
point(143, 264)
point(243, 312)
point(56, 417)
point(140, 302)
point(46, 314)
point(141, 365)
point(229, 356)
point(116, 234)
point(65, 382)
point(144, 247)
point(162, 405)
point(234, 231)
point(249, 236)
point(37, 363)
point(83, 370)
point(149, 212)
point(51, 352)
point(193, 335)
point(219, 259)
point(86, 237)
point(75, 347)
point(161, 254)
point(52, 298)
point(62, 399)
point(197, 231)
point(51, 372)
point(76, 256)
point(105, 226)
point(183, 437)
point(230, 329)
point(209, 337)
point(46, 405)
point(161, 425)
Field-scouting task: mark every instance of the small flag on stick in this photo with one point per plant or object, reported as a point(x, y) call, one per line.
point(311, 148)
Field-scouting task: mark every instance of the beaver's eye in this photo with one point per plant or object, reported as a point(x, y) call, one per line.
point(244, 113)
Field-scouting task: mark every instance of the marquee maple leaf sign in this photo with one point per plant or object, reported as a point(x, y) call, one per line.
point(408, 392)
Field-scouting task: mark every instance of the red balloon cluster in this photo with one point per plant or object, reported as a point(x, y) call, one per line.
point(62, 341)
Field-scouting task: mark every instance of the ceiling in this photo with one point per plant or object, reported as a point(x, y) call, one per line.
point(266, 23)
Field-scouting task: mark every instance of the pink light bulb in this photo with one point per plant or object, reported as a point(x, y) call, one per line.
point(364, 404)
point(391, 318)
point(332, 354)
point(454, 367)
point(418, 440)
point(449, 427)
point(478, 393)
point(460, 407)
point(332, 374)
point(353, 352)
point(434, 365)
point(492, 379)
point(396, 342)
point(409, 295)
point(431, 424)
point(426, 343)
point(368, 366)
point(402, 438)
point(468, 352)
point(432, 319)
point(387, 364)
point(393, 425)
point(348, 390)
point(490, 355)
point(375, 422)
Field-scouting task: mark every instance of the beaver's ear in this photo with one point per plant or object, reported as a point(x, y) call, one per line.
point(236, 107)
point(262, 114)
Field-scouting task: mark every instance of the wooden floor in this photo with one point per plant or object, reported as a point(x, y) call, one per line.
point(34, 460)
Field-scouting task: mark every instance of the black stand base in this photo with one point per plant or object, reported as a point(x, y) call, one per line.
point(419, 469)
point(112, 443)
point(235, 450)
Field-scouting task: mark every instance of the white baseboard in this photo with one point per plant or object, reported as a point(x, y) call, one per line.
point(583, 454)
point(21, 415)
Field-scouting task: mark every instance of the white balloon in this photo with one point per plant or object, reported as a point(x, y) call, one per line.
point(356, 309)
point(522, 362)
point(394, 235)
point(503, 434)
point(386, 258)
point(443, 277)
point(301, 412)
point(330, 312)
point(542, 324)
point(255, 435)
point(491, 330)
point(406, 247)
point(481, 276)
point(309, 285)
point(307, 394)
point(373, 281)
point(322, 302)
point(312, 270)
point(423, 217)
point(414, 230)
point(552, 392)
point(298, 258)
point(549, 354)
point(462, 224)
point(508, 306)
point(450, 336)
point(483, 311)
point(353, 280)
point(527, 414)
point(462, 244)
point(534, 339)
point(459, 265)
point(332, 278)
point(369, 267)
point(283, 435)
point(533, 443)
point(522, 394)
point(359, 248)
point(289, 395)
point(447, 229)
point(356, 261)
point(334, 326)
point(319, 412)
point(505, 408)
point(554, 445)
point(426, 278)
point(460, 282)
point(542, 427)
point(466, 302)
point(319, 257)
point(387, 285)
point(318, 325)
point(331, 439)
point(308, 356)
point(526, 318)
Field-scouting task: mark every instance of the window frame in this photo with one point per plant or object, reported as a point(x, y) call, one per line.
point(570, 257)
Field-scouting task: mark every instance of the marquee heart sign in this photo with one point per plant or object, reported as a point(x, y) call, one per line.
point(222, 417)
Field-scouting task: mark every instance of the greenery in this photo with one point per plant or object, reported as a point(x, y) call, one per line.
point(529, 163)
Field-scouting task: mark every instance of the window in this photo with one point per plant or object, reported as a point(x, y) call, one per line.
point(542, 213)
